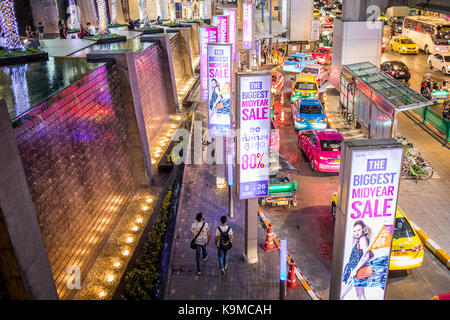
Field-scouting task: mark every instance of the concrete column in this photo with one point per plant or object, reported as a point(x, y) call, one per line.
point(23, 258)
point(131, 96)
point(251, 231)
point(353, 42)
point(164, 9)
point(164, 43)
point(299, 17)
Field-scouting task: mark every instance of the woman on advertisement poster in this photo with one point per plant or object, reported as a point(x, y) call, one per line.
point(219, 103)
point(362, 270)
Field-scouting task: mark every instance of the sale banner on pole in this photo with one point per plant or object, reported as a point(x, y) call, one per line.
point(247, 25)
point(253, 123)
point(221, 22)
point(232, 32)
point(219, 68)
point(206, 35)
point(372, 203)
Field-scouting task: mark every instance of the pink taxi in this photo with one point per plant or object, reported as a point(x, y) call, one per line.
point(322, 148)
point(319, 72)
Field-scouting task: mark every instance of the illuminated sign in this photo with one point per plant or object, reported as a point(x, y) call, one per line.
point(221, 22)
point(247, 25)
point(206, 35)
point(253, 118)
point(219, 69)
point(232, 24)
point(373, 182)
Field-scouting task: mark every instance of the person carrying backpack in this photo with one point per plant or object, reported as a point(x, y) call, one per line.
point(224, 242)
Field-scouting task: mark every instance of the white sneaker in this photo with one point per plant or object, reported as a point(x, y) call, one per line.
point(223, 271)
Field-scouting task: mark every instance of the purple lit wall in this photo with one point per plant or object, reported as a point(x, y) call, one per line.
point(76, 153)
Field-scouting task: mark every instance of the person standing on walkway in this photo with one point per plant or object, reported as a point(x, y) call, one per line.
point(201, 237)
point(224, 242)
point(40, 30)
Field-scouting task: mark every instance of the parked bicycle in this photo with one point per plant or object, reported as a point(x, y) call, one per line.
point(414, 165)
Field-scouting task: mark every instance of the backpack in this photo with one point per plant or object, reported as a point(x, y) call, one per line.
point(224, 240)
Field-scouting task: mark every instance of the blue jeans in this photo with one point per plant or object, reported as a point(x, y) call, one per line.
point(200, 253)
point(223, 258)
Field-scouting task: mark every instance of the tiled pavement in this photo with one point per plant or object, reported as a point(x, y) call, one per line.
point(426, 203)
point(242, 281)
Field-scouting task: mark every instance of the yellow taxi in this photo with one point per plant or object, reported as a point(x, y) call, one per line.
point(407, 248)
point(404, 45)
point(305, 86)
point(316, 13)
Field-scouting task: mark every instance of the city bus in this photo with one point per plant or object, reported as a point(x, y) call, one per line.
point(431, 34)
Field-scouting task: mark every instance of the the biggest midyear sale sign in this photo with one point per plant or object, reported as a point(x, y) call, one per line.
point(219, 67)
point(370, 216)
point(254, 134)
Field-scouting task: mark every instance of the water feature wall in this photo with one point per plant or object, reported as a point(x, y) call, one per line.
point(76, 155)
point(193, 42)
point(152, 86)
point(180, 59)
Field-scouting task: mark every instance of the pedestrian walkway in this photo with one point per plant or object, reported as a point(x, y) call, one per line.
point(426, 203)
point(242, 281)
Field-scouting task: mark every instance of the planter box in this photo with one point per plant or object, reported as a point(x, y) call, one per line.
point(7, 61)
point(108, 40)
point(151, 31)
point(163, 165)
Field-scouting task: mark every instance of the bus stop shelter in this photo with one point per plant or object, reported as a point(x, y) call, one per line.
point(372, 99)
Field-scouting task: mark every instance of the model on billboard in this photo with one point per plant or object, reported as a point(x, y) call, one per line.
point(219, 104)
point(361, 271)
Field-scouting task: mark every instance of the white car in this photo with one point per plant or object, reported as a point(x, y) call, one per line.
point(440, 62)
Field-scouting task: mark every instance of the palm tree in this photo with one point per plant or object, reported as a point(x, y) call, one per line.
point(103, 30)
point(114, 18)
point(144, 10)
point(9, 25)
point(73, 9)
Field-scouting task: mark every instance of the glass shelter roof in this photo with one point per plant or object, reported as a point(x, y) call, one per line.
point(392, 91)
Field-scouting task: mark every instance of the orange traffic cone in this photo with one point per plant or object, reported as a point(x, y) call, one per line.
point(282, 114)
point(282, 99)
point(292, 279)
point(270, 244)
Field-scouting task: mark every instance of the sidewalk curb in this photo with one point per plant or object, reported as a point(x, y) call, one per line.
point(306, 285)
point(432, 246)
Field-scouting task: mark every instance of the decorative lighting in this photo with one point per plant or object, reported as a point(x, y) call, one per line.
point(74, 21)
point(110, 278)
point(149, 200)
point(102, 294)
point(139, 220)
point(117, 264)
point(145, 208)
point(103, 30)
point(114, 18)
point(129, 239)
point(135, 228)
point(125, 252)
point(9, 25)
point(143, 8)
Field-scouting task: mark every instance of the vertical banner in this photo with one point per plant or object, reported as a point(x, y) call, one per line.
point(232, 31)
point(253, 122)
point(219, 68)
point(247, 25)
point(206, 35)
point(221, 22)
point(315, 30)
point(373, 182)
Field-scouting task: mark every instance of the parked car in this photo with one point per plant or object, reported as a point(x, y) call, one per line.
point(404, 45)
point(440, 61)
point(397, 69)
point(319, 72)
point(297, 61)
point(323, 55)
point(407, 248)
point(322, 148)
point(308, 113)
point(277, 82)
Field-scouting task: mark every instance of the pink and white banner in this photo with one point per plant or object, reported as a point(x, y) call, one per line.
point(247, 25)
point(221, 22)
point(232, 24)
point(206, 35)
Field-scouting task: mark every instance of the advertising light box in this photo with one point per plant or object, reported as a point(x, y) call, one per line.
point(373, 184)
point(221, 22)
point(206, 35)
point(232, 30)
point(247, 25)
point(253, 119)
point(219, 68)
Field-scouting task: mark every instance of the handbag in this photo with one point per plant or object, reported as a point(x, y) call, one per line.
point(364, 272)
point(193, 245)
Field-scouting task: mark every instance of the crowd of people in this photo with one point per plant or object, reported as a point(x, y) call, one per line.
point(426, 88)
point(276, 56)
